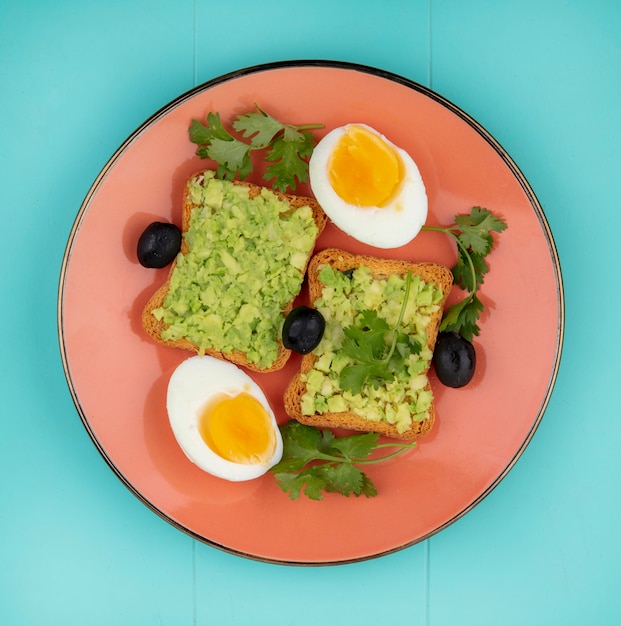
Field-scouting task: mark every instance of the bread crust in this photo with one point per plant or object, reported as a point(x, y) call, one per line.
point(154, 327)
point(380, 268)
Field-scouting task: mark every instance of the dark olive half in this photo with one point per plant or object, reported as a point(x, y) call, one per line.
point(303, 329)
point(158, 245)
point(454, 359)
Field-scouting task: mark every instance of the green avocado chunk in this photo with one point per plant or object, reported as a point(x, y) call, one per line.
point(244, 266)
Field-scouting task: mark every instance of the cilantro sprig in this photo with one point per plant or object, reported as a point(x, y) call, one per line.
point(473, 234)
point(314, 461)
point(377, 350)
point(288, 147)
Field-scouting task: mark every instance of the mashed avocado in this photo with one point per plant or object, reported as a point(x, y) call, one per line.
point(344, 296)
point(244, 265)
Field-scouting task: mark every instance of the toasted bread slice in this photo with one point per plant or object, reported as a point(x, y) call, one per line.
point(154, 327)
point(343, 261)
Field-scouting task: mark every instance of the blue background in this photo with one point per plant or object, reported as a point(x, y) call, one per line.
point(76, 547)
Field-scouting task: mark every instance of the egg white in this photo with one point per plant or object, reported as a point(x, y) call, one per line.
point(193, 383)
point(389, 226)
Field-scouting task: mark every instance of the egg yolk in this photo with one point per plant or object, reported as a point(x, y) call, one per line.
point(364, 170)
point(239, 429)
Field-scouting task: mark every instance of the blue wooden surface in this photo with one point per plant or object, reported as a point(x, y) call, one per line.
point(77, 78)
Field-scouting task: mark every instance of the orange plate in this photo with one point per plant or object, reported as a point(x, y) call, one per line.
point(118, 377)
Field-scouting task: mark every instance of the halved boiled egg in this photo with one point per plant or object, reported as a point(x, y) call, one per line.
point(369, 187)
point(222, 419)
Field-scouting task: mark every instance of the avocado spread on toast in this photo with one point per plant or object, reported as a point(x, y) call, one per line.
point(244, 264)
point(344, 296)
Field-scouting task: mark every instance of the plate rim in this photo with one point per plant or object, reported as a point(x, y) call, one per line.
point(337, 65)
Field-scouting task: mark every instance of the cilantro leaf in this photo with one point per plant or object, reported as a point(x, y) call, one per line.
point(204, 134)
point(480, 222)
point(355, 377)
point(260, 126)
point(314, 461)
point(314, 483)
point(405, 345)
point(356, 446)
point(301, 442)
point(232, 155)
point(343, 478)
point(288, 147)
point(480, 268)
point(473, 235)
point(293, 464)
point(288, 163)
point(462, 317)
point(366, 341)
point(377, 350)
point(368, 488)
point(294, 484)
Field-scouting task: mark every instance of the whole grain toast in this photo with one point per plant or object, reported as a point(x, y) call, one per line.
point(343, 261)
point(154, 327)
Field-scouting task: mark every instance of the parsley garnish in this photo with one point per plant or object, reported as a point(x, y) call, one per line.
point(334, 461)
point(473, 234)
point(377, 350)
point(288, 147)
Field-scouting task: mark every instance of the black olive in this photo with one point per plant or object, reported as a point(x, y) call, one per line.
point(303, 329)
point(159, 244)
point(454, 359)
